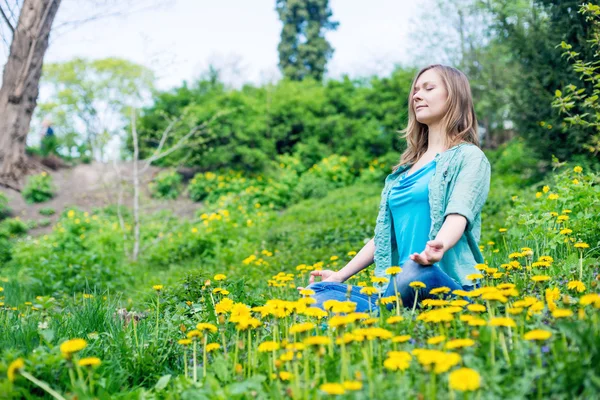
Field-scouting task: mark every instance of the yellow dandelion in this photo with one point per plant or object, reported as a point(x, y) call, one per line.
point(158, 288)
point(576, 285)
point(464, 380)
point(268, 346)
point(212, 347)
point(436, 339)
point(459, 344)
point(333, 388)
point(14, 368)
point(503, 321)
point(537, 334)
point(220, 277)
point(90, 362)
point(417, 285)
point(352, 385)
point(577, 169)
point(72, 346)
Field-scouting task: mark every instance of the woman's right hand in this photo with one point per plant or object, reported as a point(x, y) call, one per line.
point(326, 275)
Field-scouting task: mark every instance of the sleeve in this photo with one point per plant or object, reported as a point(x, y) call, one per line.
point(471, 188)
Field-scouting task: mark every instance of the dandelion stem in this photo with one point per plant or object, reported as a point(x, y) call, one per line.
point(42, 385)
point(415, 302)
point(195, 372)
point(205, 338)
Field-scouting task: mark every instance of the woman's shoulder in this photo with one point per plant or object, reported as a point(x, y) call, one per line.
point(472, 152)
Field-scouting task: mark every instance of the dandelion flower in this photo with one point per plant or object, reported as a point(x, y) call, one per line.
point(476, 308)
point(576, 285)
point(436, 339)
point(394, 319)
point(285, 375)
point(545, 189)
point(333, 388)
point(540, 278)
point(503, 321)
point(464, 380)
point(368, 290)
point(72, 346)
point(302, 327)
point(352, 385)
point(14, 368)
point(417, 285)
point(268, 346)
point(459, 343)
point(393, 270)
point(400, 339)
point(158, 288)
point(212, 347)
point(537, 334)
point(219, 277)
point(89, 362)
point(562, 313)
point(204, 326)
point(581, 245)
point(184, 342)
point(577, 169)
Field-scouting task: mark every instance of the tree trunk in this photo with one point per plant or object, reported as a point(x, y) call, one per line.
point(20, 86)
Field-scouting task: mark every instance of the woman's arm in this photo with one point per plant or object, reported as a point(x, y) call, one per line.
point(362, 260)
point(451, 231)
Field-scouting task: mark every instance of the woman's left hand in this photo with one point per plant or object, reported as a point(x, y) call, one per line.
point(434, 251)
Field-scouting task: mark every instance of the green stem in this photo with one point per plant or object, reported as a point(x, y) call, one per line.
point(195, 372)
point(42, 385)
point(204, 356)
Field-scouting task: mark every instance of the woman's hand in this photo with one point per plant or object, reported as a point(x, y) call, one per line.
point(434, 251)
point(326, 275)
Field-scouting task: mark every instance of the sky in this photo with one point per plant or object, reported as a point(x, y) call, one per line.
point(179, 39)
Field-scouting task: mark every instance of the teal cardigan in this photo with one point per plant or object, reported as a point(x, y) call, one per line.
point(459, 185)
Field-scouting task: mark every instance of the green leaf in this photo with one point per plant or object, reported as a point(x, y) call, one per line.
point(162, 382)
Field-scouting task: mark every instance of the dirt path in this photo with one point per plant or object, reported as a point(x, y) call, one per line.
point(88, 186)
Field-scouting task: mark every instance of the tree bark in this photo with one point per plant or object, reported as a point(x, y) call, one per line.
point(20, 86)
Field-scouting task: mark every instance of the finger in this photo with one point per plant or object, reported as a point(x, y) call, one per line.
point(300, 288)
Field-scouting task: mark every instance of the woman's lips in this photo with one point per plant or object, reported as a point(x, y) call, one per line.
point(420, 107)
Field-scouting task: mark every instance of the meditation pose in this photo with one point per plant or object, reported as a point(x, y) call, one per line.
point(429, 221)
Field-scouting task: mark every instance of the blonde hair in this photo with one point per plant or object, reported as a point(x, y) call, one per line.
point(459, 122)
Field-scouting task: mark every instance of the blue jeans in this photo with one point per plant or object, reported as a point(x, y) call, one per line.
point(431, 275)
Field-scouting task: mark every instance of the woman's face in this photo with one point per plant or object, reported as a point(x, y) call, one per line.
point(429, 97)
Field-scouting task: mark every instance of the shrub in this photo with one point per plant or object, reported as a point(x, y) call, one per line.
point(39, 188)
point(47, 211)
point(14, 226)
point(4, 210)
point(166, 185)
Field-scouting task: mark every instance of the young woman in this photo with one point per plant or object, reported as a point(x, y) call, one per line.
point(429, 220)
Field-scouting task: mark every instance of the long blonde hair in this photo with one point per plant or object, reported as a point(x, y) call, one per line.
point(459, 122)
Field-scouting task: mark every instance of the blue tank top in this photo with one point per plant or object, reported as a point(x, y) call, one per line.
point(409, 204)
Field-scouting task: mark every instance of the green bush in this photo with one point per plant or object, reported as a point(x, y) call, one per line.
point(166, 185)
point(14, 226)
point(39, 188)
point(47, 211)
point(4, 209)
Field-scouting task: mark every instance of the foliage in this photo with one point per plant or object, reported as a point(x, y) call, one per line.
point(530, 30)
point(307, 120)
point(303, 48)
point(589, 72)
point(4, 209)
point(39, 188)
point(265, 261)
point(47, 211)
point(90, 101)
point(14, 226)
point(166, 185)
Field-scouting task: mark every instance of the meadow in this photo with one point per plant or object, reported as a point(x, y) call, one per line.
point(211, 309)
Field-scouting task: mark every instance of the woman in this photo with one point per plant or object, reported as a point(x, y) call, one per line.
point(429, 220)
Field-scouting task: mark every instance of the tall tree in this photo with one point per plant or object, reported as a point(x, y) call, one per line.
point(532, 30)
point(20, 83)
point(303, 49)
point(91, 98)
